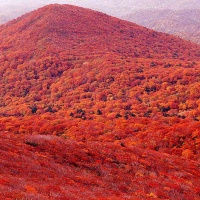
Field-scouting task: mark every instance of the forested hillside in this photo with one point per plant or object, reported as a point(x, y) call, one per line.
point(95, 107)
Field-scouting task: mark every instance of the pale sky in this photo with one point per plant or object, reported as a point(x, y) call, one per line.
point(14, 8)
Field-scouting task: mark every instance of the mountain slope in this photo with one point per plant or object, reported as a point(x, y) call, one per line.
point(183, 23)
point(71, 170)
point(96, 107)
point(42, 44)
point(98, 27)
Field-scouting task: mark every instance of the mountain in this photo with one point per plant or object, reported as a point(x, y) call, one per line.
point(95, 107)
point(183, 23)
point(41, 46)
point(180, 18)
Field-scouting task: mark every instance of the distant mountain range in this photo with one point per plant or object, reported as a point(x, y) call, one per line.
point(119, 8)
point(183, 23)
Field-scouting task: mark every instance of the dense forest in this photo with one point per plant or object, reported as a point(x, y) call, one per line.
point(94, 106)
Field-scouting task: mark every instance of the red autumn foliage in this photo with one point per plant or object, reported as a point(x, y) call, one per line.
point(93, 106)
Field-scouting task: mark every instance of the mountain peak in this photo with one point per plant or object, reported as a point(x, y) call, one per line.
point(72, 28)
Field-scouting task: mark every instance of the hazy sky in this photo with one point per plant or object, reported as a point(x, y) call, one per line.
point(14, 8)
point(132, 3)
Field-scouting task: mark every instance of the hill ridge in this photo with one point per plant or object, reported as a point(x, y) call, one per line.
point(69, 24)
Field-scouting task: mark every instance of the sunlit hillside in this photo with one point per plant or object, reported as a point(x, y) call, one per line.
point(94, 107)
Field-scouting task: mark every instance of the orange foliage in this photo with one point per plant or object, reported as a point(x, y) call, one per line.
point(92, 106)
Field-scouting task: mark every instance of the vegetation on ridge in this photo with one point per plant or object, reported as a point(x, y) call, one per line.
point(99, 107)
